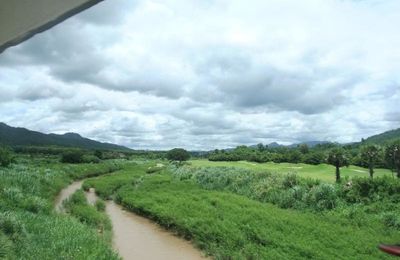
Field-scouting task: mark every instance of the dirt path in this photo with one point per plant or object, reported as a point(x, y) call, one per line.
point(135, 237)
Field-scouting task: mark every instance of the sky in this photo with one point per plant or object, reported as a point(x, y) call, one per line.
point(210, 74)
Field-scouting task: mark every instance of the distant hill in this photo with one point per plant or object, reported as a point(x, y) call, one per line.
point(310, 143)
point(16, 136)
point(385, 137)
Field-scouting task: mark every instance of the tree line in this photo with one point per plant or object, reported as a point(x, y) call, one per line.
point(365, 155)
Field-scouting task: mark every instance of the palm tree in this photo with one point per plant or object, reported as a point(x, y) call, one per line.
point(392, 157)
point(370, 154)
point(338, 158)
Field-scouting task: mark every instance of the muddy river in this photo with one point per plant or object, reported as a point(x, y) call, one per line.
point(135, 237)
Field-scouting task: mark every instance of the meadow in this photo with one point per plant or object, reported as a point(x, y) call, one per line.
point(227, 223)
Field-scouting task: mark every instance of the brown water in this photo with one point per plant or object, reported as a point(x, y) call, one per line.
point(135, 237)
point(65, 194)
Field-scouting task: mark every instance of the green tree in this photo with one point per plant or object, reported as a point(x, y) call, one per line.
point(314, 158)
point(178, 154)
point(98, 154)
point(260, 147)
point(392, 157)
point(304, 148)
point(370, 155)
point(6, 156)
point(338, 158)
point(72, 156)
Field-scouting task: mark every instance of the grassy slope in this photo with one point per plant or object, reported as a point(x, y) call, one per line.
point(226, 225)
point(28, 226)
point(323, 172)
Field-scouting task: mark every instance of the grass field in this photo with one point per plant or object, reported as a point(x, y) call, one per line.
point(230, 226)
point(29, 227)
point(323, 172)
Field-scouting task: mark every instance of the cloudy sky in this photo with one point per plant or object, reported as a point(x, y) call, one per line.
point(210, 74)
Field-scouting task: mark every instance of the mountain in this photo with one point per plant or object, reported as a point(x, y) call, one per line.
point(17, 136)
point(385, 137)
point(310, 143)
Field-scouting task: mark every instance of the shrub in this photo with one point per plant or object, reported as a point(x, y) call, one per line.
point(391, 220)
point(100, 205)
point(6, 157)
point(73, 156)
point(290, 180)
point(322, 197)
point(368, 190)
point(87, 158)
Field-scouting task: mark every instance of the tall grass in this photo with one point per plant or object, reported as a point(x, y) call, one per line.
point(29, 228)
point(232, 225)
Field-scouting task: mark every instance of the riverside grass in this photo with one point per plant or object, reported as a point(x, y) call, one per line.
point(29, 227)
point(230, 226)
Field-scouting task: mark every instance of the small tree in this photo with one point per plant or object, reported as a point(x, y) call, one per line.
point(72, 156)
point(6, 157)
point(178, 154)
point(338, 158)
point(392, 157)
point(370, 155)
point(304, 148)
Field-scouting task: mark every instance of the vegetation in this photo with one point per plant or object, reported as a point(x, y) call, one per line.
point(6, 157)
point(392, 156)
point(29, 228)
point(91, 215)
point(216, 208)
point(370, 155)
point(322, 172)
point(178, 154)
point(245, 203)
point(338, 158)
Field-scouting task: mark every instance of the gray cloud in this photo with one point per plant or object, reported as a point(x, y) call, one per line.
point(210, 74)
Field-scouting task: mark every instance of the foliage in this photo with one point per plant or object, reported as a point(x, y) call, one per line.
point(88, 158)
point(178, 154)
point(338, 158)
point(29, 229)
point(93, 216)
point(6, 157)
point(232, 226)
point(392, 155)
point(370, 155)
point(314, 158)
point(72, 156)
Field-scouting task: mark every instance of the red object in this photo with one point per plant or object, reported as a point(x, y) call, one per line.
point(390, 249)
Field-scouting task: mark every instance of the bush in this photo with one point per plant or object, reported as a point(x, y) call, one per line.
point(369, 190)
point(100, 205)
point(87, 158)
point(75, 156)
point(391, 220)
point(6, 157)
point(322, 197)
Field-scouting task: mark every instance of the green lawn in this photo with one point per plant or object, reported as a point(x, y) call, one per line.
point(323, 172)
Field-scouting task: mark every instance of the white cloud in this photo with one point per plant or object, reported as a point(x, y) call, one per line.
point(207, 74)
